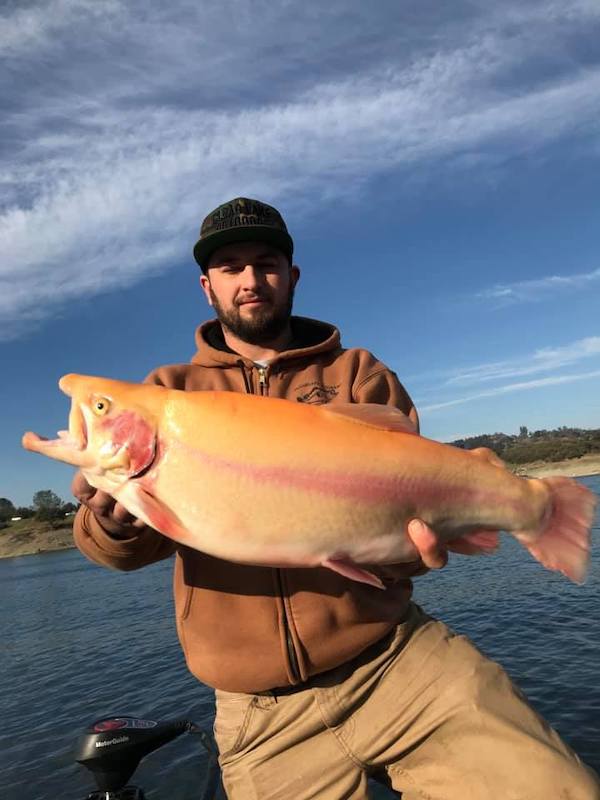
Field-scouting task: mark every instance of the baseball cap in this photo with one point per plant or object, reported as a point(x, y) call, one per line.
point(242, 220)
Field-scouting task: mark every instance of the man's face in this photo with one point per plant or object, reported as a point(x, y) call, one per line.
point(251, 287)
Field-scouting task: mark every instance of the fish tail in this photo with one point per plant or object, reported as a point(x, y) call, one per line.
point(562, 541)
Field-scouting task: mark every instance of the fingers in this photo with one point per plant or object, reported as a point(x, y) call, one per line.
point(80, 488)
point(121, 515)
point(433, 554)
point(101, 503)
point(98, 501)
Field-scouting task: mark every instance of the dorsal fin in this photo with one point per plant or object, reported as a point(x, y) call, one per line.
point(374, 415)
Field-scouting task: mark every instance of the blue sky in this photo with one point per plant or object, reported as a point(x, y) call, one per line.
point(437, 164)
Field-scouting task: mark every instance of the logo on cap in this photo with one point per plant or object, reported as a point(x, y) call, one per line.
point(238, 220)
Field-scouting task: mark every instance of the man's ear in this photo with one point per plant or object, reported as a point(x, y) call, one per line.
point(205, 284)
point(295, 270)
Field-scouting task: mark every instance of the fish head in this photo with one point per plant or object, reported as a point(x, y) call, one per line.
point(112, 431)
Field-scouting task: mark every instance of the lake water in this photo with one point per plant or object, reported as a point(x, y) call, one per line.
point(79, 642)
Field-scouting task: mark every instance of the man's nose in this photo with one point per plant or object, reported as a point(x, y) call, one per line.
point(251, 276)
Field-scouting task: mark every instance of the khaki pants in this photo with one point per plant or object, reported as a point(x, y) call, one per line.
point(423, 707)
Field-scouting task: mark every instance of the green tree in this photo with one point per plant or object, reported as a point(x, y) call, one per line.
point(47, 505)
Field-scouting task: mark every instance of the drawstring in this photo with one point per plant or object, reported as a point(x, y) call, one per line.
point(240, 364)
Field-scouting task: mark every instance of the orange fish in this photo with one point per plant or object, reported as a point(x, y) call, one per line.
point(260, 480)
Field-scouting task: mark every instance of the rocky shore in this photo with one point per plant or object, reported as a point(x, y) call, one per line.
point(29, 536)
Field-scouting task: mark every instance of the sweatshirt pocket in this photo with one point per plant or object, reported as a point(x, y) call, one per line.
point(234, 713)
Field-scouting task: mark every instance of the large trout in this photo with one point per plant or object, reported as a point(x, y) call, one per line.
point(265, 481)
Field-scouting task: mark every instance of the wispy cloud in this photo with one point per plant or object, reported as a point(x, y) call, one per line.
point(554, 360)
point(513, 387)
point(546, 359)
point(126, 141)
point(36, 26)
point(539, 289)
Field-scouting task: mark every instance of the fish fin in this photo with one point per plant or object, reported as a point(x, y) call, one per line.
point(475, 543)
point(374, 415)
point(139, 502)
point(352, 571)
point(488, 455)
point(563, 541)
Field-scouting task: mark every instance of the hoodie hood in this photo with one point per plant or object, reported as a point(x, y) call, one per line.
point(310, 338)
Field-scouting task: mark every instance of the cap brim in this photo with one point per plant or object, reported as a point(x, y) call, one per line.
point(204, 248)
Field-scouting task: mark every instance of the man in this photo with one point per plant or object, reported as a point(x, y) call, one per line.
point(321, 681)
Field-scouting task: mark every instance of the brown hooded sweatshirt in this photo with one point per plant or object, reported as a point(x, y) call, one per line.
point(251, 629)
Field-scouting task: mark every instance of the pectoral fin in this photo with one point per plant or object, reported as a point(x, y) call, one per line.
point(350, 570)
point(139, 502)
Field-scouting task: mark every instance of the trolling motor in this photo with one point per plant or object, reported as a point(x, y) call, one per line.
point(111, 748)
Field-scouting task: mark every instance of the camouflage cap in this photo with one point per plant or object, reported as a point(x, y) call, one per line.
point(242, 220)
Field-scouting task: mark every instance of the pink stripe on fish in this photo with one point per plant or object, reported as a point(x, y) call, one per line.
point(364, 487)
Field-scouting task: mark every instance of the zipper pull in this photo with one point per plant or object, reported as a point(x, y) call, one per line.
point(262, 379)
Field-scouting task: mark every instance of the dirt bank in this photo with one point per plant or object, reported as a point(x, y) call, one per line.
point(572, 468)
point(28, 536)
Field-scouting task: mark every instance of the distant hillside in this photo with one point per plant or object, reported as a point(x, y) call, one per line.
point(556, 445)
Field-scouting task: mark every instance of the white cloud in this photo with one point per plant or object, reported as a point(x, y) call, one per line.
point(36, 26)
point(539, 288)
point(512, 387)
point(553, 360)
point(112, 166)
point(546, 359)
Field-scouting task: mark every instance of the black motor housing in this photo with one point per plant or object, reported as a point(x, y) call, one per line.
point(113, 747)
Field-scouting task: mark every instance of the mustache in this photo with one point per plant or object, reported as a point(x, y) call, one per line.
point(251, 298)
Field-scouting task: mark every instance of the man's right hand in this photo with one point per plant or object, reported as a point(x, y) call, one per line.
point(113, 515)
point(434, 554)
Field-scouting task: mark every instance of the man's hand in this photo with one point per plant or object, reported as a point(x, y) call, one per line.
point(433, 553)
point(103, 505)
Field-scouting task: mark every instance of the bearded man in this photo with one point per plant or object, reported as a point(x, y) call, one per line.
point(320, 681)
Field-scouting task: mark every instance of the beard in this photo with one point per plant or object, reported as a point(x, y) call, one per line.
point(265, 325)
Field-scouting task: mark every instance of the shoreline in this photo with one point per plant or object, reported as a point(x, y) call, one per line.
point(581, 467)
point(32, 538)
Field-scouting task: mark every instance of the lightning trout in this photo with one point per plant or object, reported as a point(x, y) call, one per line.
point(259, 480)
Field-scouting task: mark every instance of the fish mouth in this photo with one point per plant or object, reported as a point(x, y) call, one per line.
point(69, 446)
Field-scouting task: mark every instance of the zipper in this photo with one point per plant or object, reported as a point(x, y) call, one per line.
point(291, 650)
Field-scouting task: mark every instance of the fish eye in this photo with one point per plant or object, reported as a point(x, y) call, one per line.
point(101, 406)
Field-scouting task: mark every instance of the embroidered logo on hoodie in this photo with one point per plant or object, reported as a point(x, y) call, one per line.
point(317, 393)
